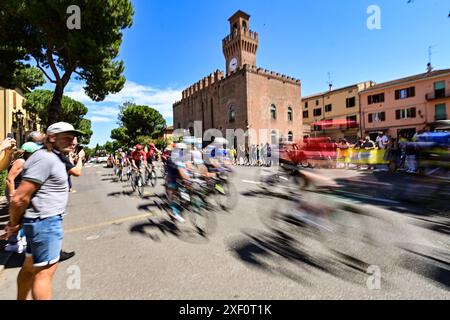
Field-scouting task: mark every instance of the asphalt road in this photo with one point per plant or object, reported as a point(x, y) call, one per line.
point(127, 248)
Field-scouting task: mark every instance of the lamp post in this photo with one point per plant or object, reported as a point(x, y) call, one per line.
point(19, 120)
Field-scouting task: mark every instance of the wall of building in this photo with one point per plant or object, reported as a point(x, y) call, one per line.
point(425, 111)
point(14, 103)
point(265, 88)
point(339, 111)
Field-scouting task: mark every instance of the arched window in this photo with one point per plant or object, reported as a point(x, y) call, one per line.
point(244, 25)
point(290, 136)
point(273, 112)
point(273, 137)
point(290, 114)
point(235, 28)
point(231, 114)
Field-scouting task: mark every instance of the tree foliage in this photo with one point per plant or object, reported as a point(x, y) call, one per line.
point(37, 31)
point(72, 111)
point(26, 77)
point(138, 124)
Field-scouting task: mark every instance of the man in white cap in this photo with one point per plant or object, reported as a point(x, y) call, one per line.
point(38, 205)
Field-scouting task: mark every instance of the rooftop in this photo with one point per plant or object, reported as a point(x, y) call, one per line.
point(416, 77)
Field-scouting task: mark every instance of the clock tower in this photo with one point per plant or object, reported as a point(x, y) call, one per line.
point(239, 47)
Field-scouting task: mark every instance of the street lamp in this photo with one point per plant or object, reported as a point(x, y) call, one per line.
point(19, 119)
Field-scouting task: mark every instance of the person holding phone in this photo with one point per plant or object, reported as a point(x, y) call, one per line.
point(7, 148)
point(38, 206)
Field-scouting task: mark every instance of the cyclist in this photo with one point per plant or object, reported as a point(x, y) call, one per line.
point(176, 173)
point(138, 157)
point(152, 153)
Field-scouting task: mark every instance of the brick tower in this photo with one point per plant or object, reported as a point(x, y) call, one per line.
point(239, 47)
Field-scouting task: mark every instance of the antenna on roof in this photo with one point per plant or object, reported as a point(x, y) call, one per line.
point(430, 53)
point(329, 82)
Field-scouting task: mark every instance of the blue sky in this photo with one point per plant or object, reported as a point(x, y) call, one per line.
point(174, 43)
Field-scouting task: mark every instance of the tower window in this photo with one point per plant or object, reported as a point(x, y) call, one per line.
point(289, 114)
point(244, 25)
point(231, 114)
point(273, 112)
point(235, 28)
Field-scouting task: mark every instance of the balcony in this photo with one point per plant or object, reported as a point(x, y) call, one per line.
point(439, 94)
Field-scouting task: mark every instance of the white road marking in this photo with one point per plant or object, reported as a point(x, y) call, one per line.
point(111, 222)
point(250, 181)
point(367, 197)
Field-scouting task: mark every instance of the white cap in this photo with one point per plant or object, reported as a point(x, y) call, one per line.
point(63, 127)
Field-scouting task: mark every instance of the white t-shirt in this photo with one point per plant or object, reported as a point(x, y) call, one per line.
point(382, 141)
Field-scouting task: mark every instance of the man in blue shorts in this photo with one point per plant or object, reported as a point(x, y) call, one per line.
point(38, 205)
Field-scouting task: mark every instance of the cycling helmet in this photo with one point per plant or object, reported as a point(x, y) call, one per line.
point(138, 147)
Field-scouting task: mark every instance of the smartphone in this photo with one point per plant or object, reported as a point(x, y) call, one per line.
point(78, 148)
point(10, 135)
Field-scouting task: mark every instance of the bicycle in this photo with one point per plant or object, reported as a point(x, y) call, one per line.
point(150, 176)
point(224, 191)
point(137, 181)
point(192, 198)
point(286, 178)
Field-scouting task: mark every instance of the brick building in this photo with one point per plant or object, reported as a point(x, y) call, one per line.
point(245, 97)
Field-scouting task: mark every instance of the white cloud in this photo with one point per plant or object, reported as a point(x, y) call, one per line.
point(104, 111)
point(100, 119)
point(159, 99)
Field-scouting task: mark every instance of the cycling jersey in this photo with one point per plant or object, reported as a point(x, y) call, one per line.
point(138, 156)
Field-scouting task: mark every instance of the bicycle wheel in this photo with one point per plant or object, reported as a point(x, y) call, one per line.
point(202, 219)
point(127, 175)
point(133, 181)
point(226, 196)
point(140, 185)
point(153, 178)
point(146, 176)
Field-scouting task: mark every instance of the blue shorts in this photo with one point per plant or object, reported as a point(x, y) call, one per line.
point(44, 239)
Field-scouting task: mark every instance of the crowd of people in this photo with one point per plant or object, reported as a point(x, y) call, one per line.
point(37, 189)
point(396, 154)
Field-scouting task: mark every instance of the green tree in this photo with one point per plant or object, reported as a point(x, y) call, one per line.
point(72, 111)
point(38, 31)
point(138, 124)
point(26, 77)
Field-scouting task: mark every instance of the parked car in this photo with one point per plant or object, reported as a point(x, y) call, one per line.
point(312, 152)
point(101, 160)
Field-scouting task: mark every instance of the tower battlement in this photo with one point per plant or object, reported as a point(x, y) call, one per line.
point(204, 83)
point(267, 73)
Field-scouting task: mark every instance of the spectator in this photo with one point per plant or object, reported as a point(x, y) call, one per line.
point(382, 140)
point(392, 154)
point(344, 151)
point(35, 136)
point(17, 242)
point(368, 145)
point(38, 204)
point(269, 154)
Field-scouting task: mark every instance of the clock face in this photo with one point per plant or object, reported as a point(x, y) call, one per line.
point(233, 64)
